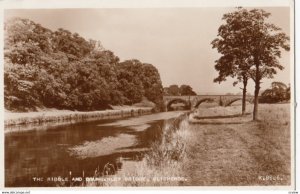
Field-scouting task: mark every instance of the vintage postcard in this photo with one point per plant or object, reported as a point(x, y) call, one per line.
point(195, 94)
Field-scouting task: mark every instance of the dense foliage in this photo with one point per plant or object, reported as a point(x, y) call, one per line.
point(63, 70)
point(278, 92)
point(175, 90)
point(250, 48)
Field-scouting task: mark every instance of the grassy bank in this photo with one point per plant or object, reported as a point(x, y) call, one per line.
point(243, 153)
point(66, 116)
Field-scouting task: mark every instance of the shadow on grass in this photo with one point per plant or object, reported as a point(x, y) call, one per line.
point(216, 123)
point(221, 117)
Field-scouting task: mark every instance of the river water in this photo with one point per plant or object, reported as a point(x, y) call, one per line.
point(36, 158)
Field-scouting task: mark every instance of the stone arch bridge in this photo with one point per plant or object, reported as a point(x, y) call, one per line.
point(191, 102)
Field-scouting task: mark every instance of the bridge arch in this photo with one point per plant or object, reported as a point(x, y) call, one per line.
point(237, 99)
point(203, 100)
point(177, 100)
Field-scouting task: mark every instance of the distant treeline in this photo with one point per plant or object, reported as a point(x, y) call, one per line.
point(62, 70)
point(278, 92)
point(175, 90)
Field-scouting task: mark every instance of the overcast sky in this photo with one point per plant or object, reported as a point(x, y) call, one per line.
point(175, 40)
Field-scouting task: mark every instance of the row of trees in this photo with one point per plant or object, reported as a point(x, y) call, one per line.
point(175, 90)
point(249, 48)
point(62, 70)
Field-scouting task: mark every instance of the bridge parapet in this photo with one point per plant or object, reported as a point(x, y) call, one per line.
point(195, 101)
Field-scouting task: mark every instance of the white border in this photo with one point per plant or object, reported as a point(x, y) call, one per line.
point(15, 4)
point(26, 4)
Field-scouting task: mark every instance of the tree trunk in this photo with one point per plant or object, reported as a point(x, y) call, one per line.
point(245, 81)
point(255, 110)
point(256, 91)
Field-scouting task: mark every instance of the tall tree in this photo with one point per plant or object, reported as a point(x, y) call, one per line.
point(260, 45)
point(152, 84)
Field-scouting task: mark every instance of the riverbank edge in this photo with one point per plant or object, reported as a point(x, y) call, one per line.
point(160, 156)
point(72, 117)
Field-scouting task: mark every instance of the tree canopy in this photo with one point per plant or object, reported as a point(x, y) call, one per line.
point(250, 47)
point(63, 70)
point(175, 90)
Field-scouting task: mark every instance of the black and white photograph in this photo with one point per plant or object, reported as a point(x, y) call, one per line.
point(149, 97)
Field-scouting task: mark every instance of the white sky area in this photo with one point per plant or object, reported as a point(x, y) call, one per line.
point(177, 41)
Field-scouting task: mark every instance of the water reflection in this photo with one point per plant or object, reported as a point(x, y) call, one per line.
point(46, 153)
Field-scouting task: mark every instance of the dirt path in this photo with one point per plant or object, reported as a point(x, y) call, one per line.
point(238, 154)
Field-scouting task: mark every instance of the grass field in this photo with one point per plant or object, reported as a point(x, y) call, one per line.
point(245, 153)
